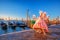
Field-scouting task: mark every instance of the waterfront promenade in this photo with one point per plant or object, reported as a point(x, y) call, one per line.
point(54, 34)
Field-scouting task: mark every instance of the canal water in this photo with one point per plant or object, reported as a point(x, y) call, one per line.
point(10, 30)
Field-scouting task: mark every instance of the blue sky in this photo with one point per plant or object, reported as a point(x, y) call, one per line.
point(18, 8)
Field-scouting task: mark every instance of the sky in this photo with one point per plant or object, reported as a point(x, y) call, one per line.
point(18, 8)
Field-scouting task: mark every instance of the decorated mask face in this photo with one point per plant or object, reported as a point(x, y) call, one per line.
point(41, 13)
point(44, 15)
point(48, 16)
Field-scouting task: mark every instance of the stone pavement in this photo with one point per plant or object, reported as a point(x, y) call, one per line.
point(32, 35)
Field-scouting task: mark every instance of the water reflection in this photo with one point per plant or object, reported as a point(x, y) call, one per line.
point(23, 28)
point(10, 29)
point(12, 26)
point(4, 28)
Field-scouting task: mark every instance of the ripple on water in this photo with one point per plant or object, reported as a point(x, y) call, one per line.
point(9, 30)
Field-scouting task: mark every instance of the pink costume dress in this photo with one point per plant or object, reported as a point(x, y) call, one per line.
point(40, 24)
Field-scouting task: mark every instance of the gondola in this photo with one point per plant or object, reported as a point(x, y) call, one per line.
point(3, 26)
point(12, 25)
point(21, 25)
